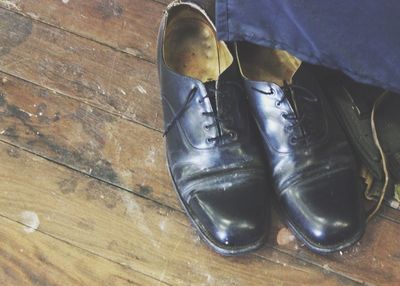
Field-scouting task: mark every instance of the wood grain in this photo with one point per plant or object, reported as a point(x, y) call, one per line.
point(28, 258)
point(122, 227)
point(85, 138)
point(373, 261)
point(80, 68)
point(130, 26)
point(127, 25)
point(390, 214)
point(84, 69)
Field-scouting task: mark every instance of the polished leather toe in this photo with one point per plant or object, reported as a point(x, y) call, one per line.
point(326, 212)
point(237, 221)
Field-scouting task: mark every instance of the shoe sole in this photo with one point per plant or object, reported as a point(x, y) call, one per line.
point(208, 241)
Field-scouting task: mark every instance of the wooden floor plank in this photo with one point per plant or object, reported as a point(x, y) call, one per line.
point(163, 1)
point(374, 260)
point(29, 257)
point(80, 68)
point(128, 25)
point(84, 138)
point(119, 226)
point(391, 214)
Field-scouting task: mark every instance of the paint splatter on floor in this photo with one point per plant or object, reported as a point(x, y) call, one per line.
point(30, 220)
point(150, 158)
point(10, 4)
point(284, 236)
point(141, 89)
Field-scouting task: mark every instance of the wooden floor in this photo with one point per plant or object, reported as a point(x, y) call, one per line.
point(85, 198)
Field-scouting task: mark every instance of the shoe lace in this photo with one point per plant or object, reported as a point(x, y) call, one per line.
point(217, 120)
point(181, 111)
point(297, 118)
point(385, 166)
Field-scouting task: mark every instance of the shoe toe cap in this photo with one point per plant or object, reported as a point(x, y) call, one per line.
point(327, 213)
point(233, 217)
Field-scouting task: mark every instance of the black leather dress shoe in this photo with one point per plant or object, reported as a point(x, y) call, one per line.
point(212, 153)
point(313, 168)
point(353, 103)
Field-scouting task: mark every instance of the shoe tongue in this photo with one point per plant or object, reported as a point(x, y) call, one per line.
point(230, 75)
point(304, 105)
point(304, 80)
point(291, 98)
point(211, 93)
point(223, 99)
point(215, 88)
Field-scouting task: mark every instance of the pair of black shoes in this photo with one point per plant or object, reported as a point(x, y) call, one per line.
point(224, 168)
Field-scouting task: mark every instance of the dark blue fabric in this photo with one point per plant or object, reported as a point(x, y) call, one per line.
point(358, 37)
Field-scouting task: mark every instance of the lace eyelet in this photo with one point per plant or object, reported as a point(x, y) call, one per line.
point(232, 134)
point(278, 103)
point(284, 115)
point(209, 140)
point(289, 128)
point(293, 140)
point(207, 127)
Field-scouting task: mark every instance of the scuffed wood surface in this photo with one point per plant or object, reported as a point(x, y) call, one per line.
point(127, 25)
point(29, 257)
point(118, 227)
point(85, 138)
point(77, 67)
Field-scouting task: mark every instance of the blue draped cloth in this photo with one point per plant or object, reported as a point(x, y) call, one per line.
point(359, 37)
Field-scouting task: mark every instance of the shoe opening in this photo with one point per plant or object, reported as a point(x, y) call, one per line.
point(191, 47)
point(260, 63)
